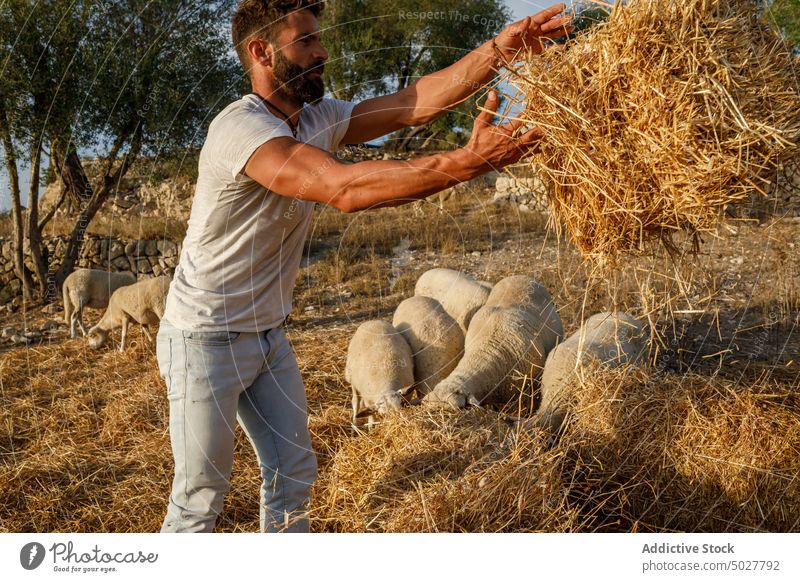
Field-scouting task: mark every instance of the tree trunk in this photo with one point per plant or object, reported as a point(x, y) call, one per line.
point(90, 208)
point(54, 208)
point(75, 242)
point(404, 136)
point(69, 167)
point(430, 138)
point(34, 235)
point(20, 269)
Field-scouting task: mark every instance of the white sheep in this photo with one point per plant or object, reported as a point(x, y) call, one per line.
point(435, 339)
point(606, 339)
point(379, 368)
point(460, 294)
point(143, 303)
point(528, 293)
point(499, 342)
point(90, 288)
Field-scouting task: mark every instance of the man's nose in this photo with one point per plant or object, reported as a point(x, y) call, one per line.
point(320, 53)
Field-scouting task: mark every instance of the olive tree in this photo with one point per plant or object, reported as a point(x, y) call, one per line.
point(124, 79)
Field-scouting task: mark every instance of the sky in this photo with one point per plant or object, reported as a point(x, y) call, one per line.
point(523, 8)
point(519, 8)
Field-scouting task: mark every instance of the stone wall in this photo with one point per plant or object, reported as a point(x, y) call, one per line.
point(527, 194)
point(784, 194)
point(145, 258)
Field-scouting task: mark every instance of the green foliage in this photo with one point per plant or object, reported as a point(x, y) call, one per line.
point(100, 72)
point(786, 14)
point(589, 15)
point(380, 47)
point(163, 64)
point(41, 68)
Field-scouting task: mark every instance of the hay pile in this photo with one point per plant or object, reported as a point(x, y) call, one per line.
point(658, 118)
point(642, 454)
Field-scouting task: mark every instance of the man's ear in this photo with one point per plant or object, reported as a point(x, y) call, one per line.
point(260, 51)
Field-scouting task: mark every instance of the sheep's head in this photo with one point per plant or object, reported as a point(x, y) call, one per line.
point(443, 398)
point(389, 402)
point(97, 338)
point(450, 395)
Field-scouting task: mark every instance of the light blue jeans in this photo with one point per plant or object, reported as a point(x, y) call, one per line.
point(214, 379)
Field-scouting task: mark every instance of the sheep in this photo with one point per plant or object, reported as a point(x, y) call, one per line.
point(527, 292)
point(460, 295)
point(499, 341)
point(143, 303)
point(605, 339)
point(435, 339)
point(90, 288)
point(379, 369)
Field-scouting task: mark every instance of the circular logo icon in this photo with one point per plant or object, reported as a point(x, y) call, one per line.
point(31, 555)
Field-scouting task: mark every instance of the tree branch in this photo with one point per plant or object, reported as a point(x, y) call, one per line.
point(52, 212)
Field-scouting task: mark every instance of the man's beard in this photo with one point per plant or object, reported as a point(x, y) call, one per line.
point(293, 82)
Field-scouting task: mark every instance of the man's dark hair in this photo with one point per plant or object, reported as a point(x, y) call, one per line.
point(264, 19)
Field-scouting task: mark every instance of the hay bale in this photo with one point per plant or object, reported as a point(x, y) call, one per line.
point(658, 118)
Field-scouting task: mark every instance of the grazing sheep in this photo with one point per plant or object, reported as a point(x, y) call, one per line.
point(499, 341)
point(528, 293)
point(606, 339)
point(379, 368)
point(90, 288)
point(435, 339)
point(460, 295)
point(143, 303)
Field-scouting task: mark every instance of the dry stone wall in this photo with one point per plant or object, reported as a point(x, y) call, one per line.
point(527, 194)
point(145, 258)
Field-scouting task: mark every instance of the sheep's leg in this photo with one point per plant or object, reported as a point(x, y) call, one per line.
point(370, 422)
point(124, 334)
point(73, 325)
point(80, 319)
point(356, 402)
point(147, 333)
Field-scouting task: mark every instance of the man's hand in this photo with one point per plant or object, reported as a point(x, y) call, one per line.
point(529, 32)
point(498, 145)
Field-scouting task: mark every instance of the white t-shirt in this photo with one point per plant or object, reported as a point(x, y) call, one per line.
point(244, 243)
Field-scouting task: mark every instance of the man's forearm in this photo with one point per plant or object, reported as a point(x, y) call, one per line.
point(438, 92)
point(377, 184)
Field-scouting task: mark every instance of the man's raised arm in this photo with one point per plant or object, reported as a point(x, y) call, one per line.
point(297, 170)
point(434, 95)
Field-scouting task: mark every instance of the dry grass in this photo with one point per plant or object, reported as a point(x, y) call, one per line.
point(111, 223)
point(659, 118)
point(352, 255)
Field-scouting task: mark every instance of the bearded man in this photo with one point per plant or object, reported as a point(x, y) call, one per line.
point(222, 348)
